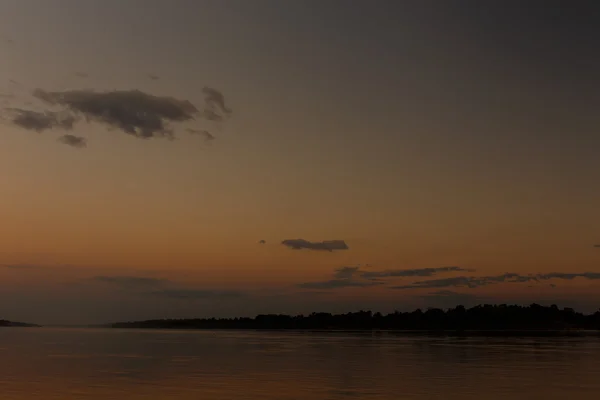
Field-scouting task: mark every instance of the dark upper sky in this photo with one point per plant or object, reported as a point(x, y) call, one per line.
point(423, 134)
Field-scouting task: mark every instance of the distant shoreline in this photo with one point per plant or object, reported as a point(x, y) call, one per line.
point(391, 332)
point(484, 320)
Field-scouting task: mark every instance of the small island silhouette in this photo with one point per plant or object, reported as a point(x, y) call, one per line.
point(4, 324)
point(485, 319)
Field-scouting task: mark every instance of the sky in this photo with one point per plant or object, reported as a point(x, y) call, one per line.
point(200, 158)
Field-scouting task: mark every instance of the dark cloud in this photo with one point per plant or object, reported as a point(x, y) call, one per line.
point(346, 272)
point(131, 281)
point(338, 283)
point(327, 245)
point(262, 242)
point(354, 276)
point(597, 246)
point(41, 121)
point(132, 111)
point(350, 272)
point(154, 77)
point(357, 277)
point(569, 276)
point(197, 294)
point(478, 281)
point(73, 141)
point(215, 100)
point(394, 273)
point(464, 281)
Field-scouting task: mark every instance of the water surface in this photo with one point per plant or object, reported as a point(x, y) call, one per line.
point(52, 364)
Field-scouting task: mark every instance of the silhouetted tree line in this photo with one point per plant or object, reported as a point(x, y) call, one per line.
point(483, 317)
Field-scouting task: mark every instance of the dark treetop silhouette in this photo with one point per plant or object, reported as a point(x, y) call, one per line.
point(481, 318)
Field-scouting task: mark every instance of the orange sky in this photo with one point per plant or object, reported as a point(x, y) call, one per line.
point(436, 139)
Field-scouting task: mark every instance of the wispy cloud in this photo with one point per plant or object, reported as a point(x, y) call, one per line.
point(346, 272)
point(419, 272)
point(478, 281)
point(215, 101)
point(353, 272)
point(40, 121)
point(74, 141)
point(326, 245)
point(569, 276)
point(356, 277)
point(202, 132)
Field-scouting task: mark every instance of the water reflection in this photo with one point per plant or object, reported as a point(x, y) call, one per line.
point(99, 364)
